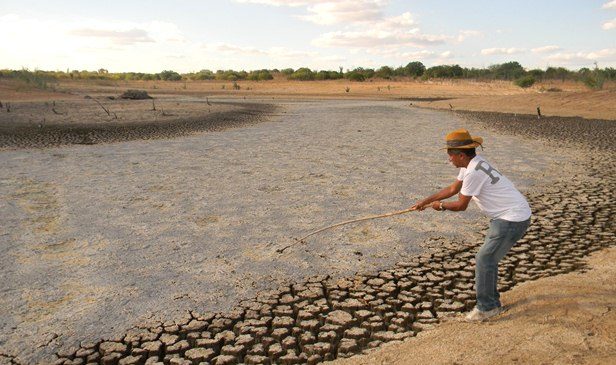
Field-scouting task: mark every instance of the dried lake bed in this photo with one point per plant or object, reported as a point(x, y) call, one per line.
point(99, 238)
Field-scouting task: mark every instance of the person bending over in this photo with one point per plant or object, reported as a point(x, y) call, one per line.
point(495, 196)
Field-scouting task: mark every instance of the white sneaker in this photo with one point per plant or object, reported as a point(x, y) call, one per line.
point(477, 316)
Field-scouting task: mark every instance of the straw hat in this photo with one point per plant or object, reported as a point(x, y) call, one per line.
point(461, 139)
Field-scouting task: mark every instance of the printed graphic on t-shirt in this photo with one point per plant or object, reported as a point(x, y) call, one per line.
point(494, 194)
point(485, 167)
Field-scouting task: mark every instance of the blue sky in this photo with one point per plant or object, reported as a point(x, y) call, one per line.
point(187, 35)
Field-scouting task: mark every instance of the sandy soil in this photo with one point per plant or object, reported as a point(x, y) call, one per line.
point(587, 104)
point(569, 99)
point(568, 319)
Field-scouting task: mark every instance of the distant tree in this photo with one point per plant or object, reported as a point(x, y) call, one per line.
point(260, 75)
point(385, 72)
point(507, 71)
point(400, 71)
point(444, 71)
point(230, 75)
point(415, 69)
point(203, 75)
point(538, 74)
point(303, 74)
point(555, 73)
point(287, 71)
point(169, 75)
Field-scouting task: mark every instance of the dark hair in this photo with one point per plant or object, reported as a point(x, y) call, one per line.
point(470, 152)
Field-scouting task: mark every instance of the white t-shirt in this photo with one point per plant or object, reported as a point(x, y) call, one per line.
point(493, 193)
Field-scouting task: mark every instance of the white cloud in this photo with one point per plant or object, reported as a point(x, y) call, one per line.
point(611, 24)
point(344, 11)
point(327, 12)
point(501, 51)
point(464, 34)
point(609, 5)
point(546, 49)
point(276, 2)
point(398, 31)
point(606, 55)
point(364, 25)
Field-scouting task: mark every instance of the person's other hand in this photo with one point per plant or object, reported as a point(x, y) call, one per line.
point(419, 206)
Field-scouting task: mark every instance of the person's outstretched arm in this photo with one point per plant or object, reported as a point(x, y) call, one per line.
point(445, 193)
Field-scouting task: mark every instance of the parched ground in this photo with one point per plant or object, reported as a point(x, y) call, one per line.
point(164, 250)
point(567, 319)
point(555, 98)
point(93, 120)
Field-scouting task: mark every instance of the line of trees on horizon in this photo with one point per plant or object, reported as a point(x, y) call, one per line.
point(511, 71)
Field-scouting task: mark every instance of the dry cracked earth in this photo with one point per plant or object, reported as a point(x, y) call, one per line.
point(323, 318)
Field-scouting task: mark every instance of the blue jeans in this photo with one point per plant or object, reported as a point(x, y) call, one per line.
point(501, 236)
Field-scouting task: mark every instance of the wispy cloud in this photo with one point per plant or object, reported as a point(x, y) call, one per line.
point(377, 38)
point(326, 12)
point(275, 52)
point(465, 34)
point(501, 51)
point(546, 49)
point(125, 37)
point(277, 2)
point(609, 5)
point(609, 25)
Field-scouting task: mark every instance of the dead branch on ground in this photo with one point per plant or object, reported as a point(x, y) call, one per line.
point(102, 106)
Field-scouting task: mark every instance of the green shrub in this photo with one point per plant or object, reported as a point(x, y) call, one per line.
point(508, 71)
point(385, 72)
point(302, 74)
point(525, 81)
point(593, 81)
point(259, 75)
point(169, 75)
point(444, 71)
point(356, 76)
point(328, 75)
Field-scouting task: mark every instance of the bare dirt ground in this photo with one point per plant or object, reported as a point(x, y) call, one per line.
point(567, 319)
point(564, 98)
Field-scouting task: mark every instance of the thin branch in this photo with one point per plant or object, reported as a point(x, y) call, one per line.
point(301, 240)
point(105, 109)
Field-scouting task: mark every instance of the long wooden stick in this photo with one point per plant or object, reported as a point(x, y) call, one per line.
point(347, 222)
